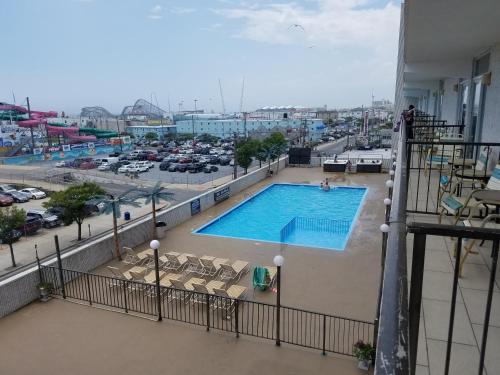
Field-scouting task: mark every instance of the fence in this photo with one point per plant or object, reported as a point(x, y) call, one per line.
point(299, 223)
point(327, 333)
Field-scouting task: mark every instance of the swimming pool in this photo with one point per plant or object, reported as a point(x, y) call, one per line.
point(293, 214)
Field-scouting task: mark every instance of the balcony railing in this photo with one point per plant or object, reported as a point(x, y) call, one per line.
point(399, 316)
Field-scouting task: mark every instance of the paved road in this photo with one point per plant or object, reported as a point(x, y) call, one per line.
point(336, 147)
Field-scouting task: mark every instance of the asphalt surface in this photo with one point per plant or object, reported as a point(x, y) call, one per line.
point(336, 147)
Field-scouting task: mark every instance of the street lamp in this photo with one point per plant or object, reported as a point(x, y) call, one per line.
point(278, 262)
point(385, 228)
point(155, 245)
point(389, 184)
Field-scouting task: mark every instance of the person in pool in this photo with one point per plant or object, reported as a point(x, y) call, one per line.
point(326, 186)
point(321, 185)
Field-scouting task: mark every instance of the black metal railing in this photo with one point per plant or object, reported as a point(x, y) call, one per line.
point(324, 332)
point(421, 231)
point(437, 168)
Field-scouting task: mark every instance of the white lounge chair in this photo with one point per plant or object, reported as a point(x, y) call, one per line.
point(233, 271)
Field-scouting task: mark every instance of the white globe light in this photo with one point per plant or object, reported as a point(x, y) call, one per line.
point(384, 228)
point(389, 183)
point(391, 172)
point(155, 244)
point(387, 201)
point(278, 260)
point(394, 164)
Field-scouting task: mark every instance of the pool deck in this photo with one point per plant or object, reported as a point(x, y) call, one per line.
point(68, 338)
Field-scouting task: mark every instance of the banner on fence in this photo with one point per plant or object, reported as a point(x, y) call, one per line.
point(222, 194)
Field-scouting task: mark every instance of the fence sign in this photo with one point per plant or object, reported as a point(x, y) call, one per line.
point(222, 194)
point(195, 207)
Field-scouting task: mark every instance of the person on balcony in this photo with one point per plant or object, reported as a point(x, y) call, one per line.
point(409, 117)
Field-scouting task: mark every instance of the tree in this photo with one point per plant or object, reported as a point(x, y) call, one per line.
point(75, 202)
point(111, 205)
point(207, 138)
point(10, 219)
point(274, 146)
point(151, 136)
point(153, 196)
point(244, 155)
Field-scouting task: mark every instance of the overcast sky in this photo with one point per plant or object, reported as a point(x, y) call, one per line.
point(67, 54)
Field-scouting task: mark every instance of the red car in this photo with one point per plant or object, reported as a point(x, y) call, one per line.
point(5, 200)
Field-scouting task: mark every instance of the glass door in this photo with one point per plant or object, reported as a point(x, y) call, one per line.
point(477, 110)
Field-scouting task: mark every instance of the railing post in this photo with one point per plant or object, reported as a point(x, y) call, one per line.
point(207, 302)
point(456, 273)
point(88, 288)
point(157, 274)
point(415, 303)
point(486, 323)
point(237, 317)
point(324, 335)
point(125, 295)
point(40, 275)
point(59, 266)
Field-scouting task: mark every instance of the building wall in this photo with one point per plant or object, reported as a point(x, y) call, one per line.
point(450, 102)
point(491, 118)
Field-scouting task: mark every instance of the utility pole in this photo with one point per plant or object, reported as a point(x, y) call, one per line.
point(31, 128)
point(245, 124)
point(235, 167)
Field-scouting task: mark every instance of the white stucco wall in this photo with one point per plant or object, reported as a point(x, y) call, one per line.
point(450, 100)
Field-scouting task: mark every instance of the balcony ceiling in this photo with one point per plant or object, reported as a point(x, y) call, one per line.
point(440, 30)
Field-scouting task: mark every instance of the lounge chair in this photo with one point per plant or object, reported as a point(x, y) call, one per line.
point(455, 205)
point(118, 276)
point(212, 266)
point(488, 222)
point(130, 256)
point(264, 277)
point(194, 265)
point(176, 261)
point(227, 298)
point(233, 271)
point(150, 278)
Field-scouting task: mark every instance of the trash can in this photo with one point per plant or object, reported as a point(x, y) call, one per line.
point(161, 229)
point(126, 215)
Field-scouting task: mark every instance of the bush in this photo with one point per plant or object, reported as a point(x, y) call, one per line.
point(364, 351)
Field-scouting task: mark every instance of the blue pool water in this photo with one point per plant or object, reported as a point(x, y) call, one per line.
point(293, 214)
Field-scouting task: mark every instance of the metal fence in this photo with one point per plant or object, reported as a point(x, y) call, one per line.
point(327, 333)
point(299, 223)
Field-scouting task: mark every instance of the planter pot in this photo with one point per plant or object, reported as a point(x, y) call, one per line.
point(44, 293)
point(364, 365)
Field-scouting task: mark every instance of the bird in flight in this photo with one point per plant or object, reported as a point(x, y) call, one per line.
point(297, 26)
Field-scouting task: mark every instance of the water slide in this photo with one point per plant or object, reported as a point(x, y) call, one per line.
point(68, 132)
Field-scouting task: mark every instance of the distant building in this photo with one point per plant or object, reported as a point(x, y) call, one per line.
point(141, 130)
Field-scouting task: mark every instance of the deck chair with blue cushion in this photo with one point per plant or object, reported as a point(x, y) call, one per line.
point(455, 205)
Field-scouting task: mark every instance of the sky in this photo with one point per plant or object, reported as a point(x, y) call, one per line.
point(69, 54)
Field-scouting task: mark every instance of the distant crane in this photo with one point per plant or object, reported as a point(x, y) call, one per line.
point(242, 92)
point(222, 99)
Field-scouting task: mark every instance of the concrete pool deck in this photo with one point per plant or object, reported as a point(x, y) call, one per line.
point(342, 283)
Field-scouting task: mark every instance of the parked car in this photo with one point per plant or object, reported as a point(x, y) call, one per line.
point(128, 168)
point(48, 220)
point(15, 235)
point(164, 165)
point(6, 189)
point(194, 168)
point(34, 193)
point(60, 164)
point(181, 168)
point(213, 159)
point(115, 154)
point(104, 167)
point(30, 226)
point(5, 200)
point(57, 211)
point(210, 169)
point(18, 197)
point(224, 161)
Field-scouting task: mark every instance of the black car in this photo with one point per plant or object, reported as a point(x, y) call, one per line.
point(210, 169)
point(56, 211)
point(115, 154)
point(194, 168)
point(224, 161)
point(214, 160)
point(181, 168)
point(172, 168)
point(14, 235)
point(164, 165)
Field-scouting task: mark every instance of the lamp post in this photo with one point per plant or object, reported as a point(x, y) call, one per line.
point(155, 244)
point(278, 262)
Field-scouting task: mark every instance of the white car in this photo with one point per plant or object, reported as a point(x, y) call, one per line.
point(34, 193)
point(60, 164)
point(104, 167)
point(128, 168)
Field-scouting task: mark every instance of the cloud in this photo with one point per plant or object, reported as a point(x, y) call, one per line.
point(326, 23)
point(181, 10)
point(212, 27)
point(156, 13)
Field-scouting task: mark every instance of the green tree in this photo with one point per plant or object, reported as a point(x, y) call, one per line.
point(154, 195)
point(244, 155)
point(75, 202)
point(274, 146)
point(207, 138)
point(10, 219)
point(151, 136)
